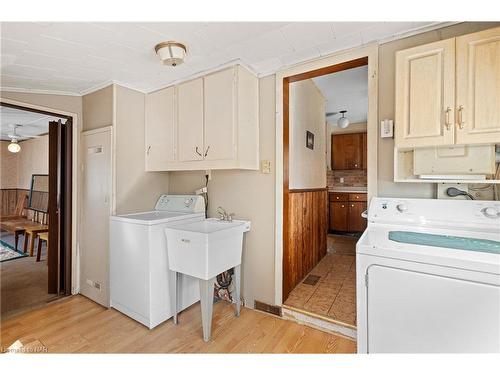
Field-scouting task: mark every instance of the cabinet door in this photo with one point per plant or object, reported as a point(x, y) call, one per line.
point(159, 129)
point(356, 222)
point(478, 87)
point(220, 115)
point(346, 151)
point(190, 120)
point(338, 216)
point(425, 93)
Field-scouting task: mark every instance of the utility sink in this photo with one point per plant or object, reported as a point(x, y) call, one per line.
point(203, 249)
point(206, 248)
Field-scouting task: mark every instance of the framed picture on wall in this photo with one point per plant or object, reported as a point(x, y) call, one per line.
point(309, 140)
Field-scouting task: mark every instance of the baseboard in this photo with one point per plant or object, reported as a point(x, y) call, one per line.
point(265, 307)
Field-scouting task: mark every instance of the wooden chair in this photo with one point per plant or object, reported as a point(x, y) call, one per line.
point(21, 209)
point(33, 229)
point(42, 237)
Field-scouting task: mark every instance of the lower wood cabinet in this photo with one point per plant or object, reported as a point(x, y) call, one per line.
point(345, 212)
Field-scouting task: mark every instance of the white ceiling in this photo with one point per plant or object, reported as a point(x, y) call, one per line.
point(33, 124)
point(80, 56)
point(346, 90)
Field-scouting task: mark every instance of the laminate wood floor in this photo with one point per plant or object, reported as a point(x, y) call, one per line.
point(333, 296)
point(77, 324)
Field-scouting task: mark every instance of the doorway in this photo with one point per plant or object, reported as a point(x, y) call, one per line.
point(38, 219)
point(324, 195)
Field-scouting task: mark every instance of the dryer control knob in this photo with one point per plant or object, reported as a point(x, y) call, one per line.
point(491, 212)
point(402, 207)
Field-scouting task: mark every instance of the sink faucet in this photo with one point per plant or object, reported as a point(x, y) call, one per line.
point(223, 215)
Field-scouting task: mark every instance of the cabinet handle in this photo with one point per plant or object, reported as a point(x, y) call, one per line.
point(352, 205)
point(198, 152)
point(447, 121)
point(206, 152)
point(461, 122)
point(342, 206)
point(355, 165)
point(149, 149)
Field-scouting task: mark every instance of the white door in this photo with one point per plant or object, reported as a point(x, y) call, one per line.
point(220, 115)
point(160, 130)
point(478, 87)
point(95, 212)
point(425, 95)
point(190, 120)
point(413, 311)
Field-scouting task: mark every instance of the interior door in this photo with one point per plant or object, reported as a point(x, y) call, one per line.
point(96, 209)
point(220, 115)
point(160, 129)
point(190, 120)
point(478, 87)
point(425, 95)
point(60, 207)
point(416, 312)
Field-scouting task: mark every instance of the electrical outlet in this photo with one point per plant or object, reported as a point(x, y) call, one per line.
point(208, 173)
point(265, 166)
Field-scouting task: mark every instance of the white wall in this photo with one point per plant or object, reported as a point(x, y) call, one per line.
point(307, 168)
point(249, 194)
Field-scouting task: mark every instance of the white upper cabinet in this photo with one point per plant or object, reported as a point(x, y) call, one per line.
point(190, 120)
point(478, 87)
point(448, 92)
point(425, 95)
point(160, 129)
point(215, 123)
point(220, 115)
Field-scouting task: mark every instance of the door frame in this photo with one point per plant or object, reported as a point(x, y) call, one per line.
point(74, 117)
point(324, 65)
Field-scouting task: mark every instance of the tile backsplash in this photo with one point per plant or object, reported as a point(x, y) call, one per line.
point(354, 177)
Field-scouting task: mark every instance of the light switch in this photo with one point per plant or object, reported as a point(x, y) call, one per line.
point(265, 166)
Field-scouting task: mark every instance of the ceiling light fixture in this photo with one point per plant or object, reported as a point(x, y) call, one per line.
point(343, 122)
point(14, 146)
point(171, 53)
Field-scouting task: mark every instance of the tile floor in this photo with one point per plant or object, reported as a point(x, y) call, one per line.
point(334, 294)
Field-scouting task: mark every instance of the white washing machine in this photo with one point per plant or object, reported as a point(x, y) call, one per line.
point(428, 277)
point(140, 279)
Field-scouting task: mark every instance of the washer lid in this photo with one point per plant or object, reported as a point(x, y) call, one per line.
point(375, 241)
point(155, 217)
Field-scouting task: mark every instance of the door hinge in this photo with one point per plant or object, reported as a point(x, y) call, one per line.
point(366, 280)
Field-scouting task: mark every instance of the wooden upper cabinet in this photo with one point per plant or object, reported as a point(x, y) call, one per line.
point(347, 151)
point(478, 87)
point(160, 129)
point(190, 120)
point(425, 95)
point(220, 111)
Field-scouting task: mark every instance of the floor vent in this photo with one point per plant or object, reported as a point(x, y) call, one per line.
point(271, 309)
point(311, 280)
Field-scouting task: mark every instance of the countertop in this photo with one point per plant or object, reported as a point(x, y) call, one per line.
point(347, 189)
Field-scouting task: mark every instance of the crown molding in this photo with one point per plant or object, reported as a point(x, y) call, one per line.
point(37, 91)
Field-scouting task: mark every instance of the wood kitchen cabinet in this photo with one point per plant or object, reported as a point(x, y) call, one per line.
point(447, 92)
point(347, 151)
point(345, 212)
point(213, 123)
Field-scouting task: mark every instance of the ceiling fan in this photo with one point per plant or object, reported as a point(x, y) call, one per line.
point(15, 136)
point(342, 122)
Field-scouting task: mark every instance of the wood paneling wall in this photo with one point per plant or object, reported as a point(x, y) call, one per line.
point(307, 239)
point(9, 197)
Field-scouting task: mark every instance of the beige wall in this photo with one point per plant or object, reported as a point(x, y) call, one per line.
point(249, 194)
point(8, 176)
point(307, 113)
point(136, 190)
point(98, 108)
point(386, 186)
point(32, 159)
